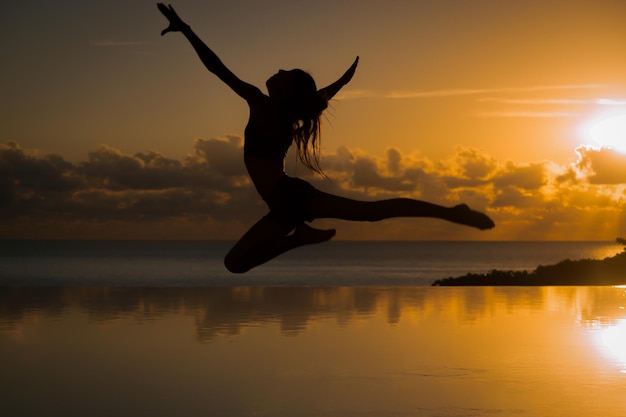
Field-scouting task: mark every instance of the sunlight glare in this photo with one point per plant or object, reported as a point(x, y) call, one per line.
point(610, 132)
point(614, 340)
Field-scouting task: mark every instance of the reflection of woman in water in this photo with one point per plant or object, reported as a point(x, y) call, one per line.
point(291, 114)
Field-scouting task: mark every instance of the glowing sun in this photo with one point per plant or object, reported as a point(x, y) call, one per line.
point(610, 132)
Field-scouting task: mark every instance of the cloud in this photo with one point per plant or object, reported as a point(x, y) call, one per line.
point(474, 164)
point(456, 92)
point(222, 156)
point(550, 107)
point(355, 94)
point(114, 185)
point(366, 176)
point(109, 43)
point(514, 197)
point(435, 93)
point(543, 101)
point(602, 166)
point(611, 102)
point(38, 173)
point(469, 168)
point(527, 114)
point(207, 194)
point(519, 111)
point(528, 177)
point(533, 101)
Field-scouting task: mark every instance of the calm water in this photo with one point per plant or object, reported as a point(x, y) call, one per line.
point(338, 263)
point(313, 352)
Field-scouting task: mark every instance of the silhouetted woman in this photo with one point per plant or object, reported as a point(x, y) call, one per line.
point(290, 113)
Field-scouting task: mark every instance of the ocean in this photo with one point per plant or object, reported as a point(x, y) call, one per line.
point(335, 263)
point(105, 328)
point(313, 352)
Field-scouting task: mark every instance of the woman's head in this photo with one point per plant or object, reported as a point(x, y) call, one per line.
point(290, 84)
point(303, 106)
point(296, 89)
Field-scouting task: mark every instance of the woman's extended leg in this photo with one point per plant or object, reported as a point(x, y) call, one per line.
point(267, 239)
point(326, 205)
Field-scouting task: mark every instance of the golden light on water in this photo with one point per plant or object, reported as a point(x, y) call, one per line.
point(610, 332)
point(613, 338)
point(335, 351)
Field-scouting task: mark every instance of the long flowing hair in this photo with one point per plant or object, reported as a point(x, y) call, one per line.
point(305, 107)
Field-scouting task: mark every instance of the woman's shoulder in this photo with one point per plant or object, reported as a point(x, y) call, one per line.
point(254, 96)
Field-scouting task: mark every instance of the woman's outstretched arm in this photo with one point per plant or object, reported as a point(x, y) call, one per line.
point(207, 56)
point(330, 91)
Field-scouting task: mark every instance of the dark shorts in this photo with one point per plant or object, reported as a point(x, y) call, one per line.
point(290, 202)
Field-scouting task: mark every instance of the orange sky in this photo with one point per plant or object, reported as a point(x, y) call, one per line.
point(110, 131)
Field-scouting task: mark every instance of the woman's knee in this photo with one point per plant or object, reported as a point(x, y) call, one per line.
point(235, 264)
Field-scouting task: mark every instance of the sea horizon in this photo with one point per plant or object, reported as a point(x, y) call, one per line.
point(334, 263)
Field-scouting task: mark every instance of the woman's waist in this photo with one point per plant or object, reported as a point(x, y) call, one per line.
point(265, 174)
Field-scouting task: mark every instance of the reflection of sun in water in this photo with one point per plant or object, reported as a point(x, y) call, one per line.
point(613, 338)
point(610, 132)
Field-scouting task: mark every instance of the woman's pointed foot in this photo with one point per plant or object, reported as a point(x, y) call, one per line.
point(462, 214)
point(308, 235)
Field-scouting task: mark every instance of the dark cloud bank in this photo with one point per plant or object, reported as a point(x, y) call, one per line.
point(208, 195)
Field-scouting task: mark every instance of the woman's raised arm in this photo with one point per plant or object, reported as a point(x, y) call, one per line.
point(207, 56)
point(330, 91)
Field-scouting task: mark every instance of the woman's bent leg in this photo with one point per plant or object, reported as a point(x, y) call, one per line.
point(326, 205)
point(267, 239)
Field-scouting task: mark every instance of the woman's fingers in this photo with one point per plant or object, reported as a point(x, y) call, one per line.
point(169, 12)
point(163, 9)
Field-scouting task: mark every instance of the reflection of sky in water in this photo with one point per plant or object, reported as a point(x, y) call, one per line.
point(314, 352)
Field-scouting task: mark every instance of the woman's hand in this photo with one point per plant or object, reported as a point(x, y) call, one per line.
point(347, 76)
point(330, 91)
point(176, 23)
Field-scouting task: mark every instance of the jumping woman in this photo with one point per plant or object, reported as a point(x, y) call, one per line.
point(290, 113)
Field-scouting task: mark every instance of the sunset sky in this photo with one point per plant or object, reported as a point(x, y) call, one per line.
point(517, 108)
